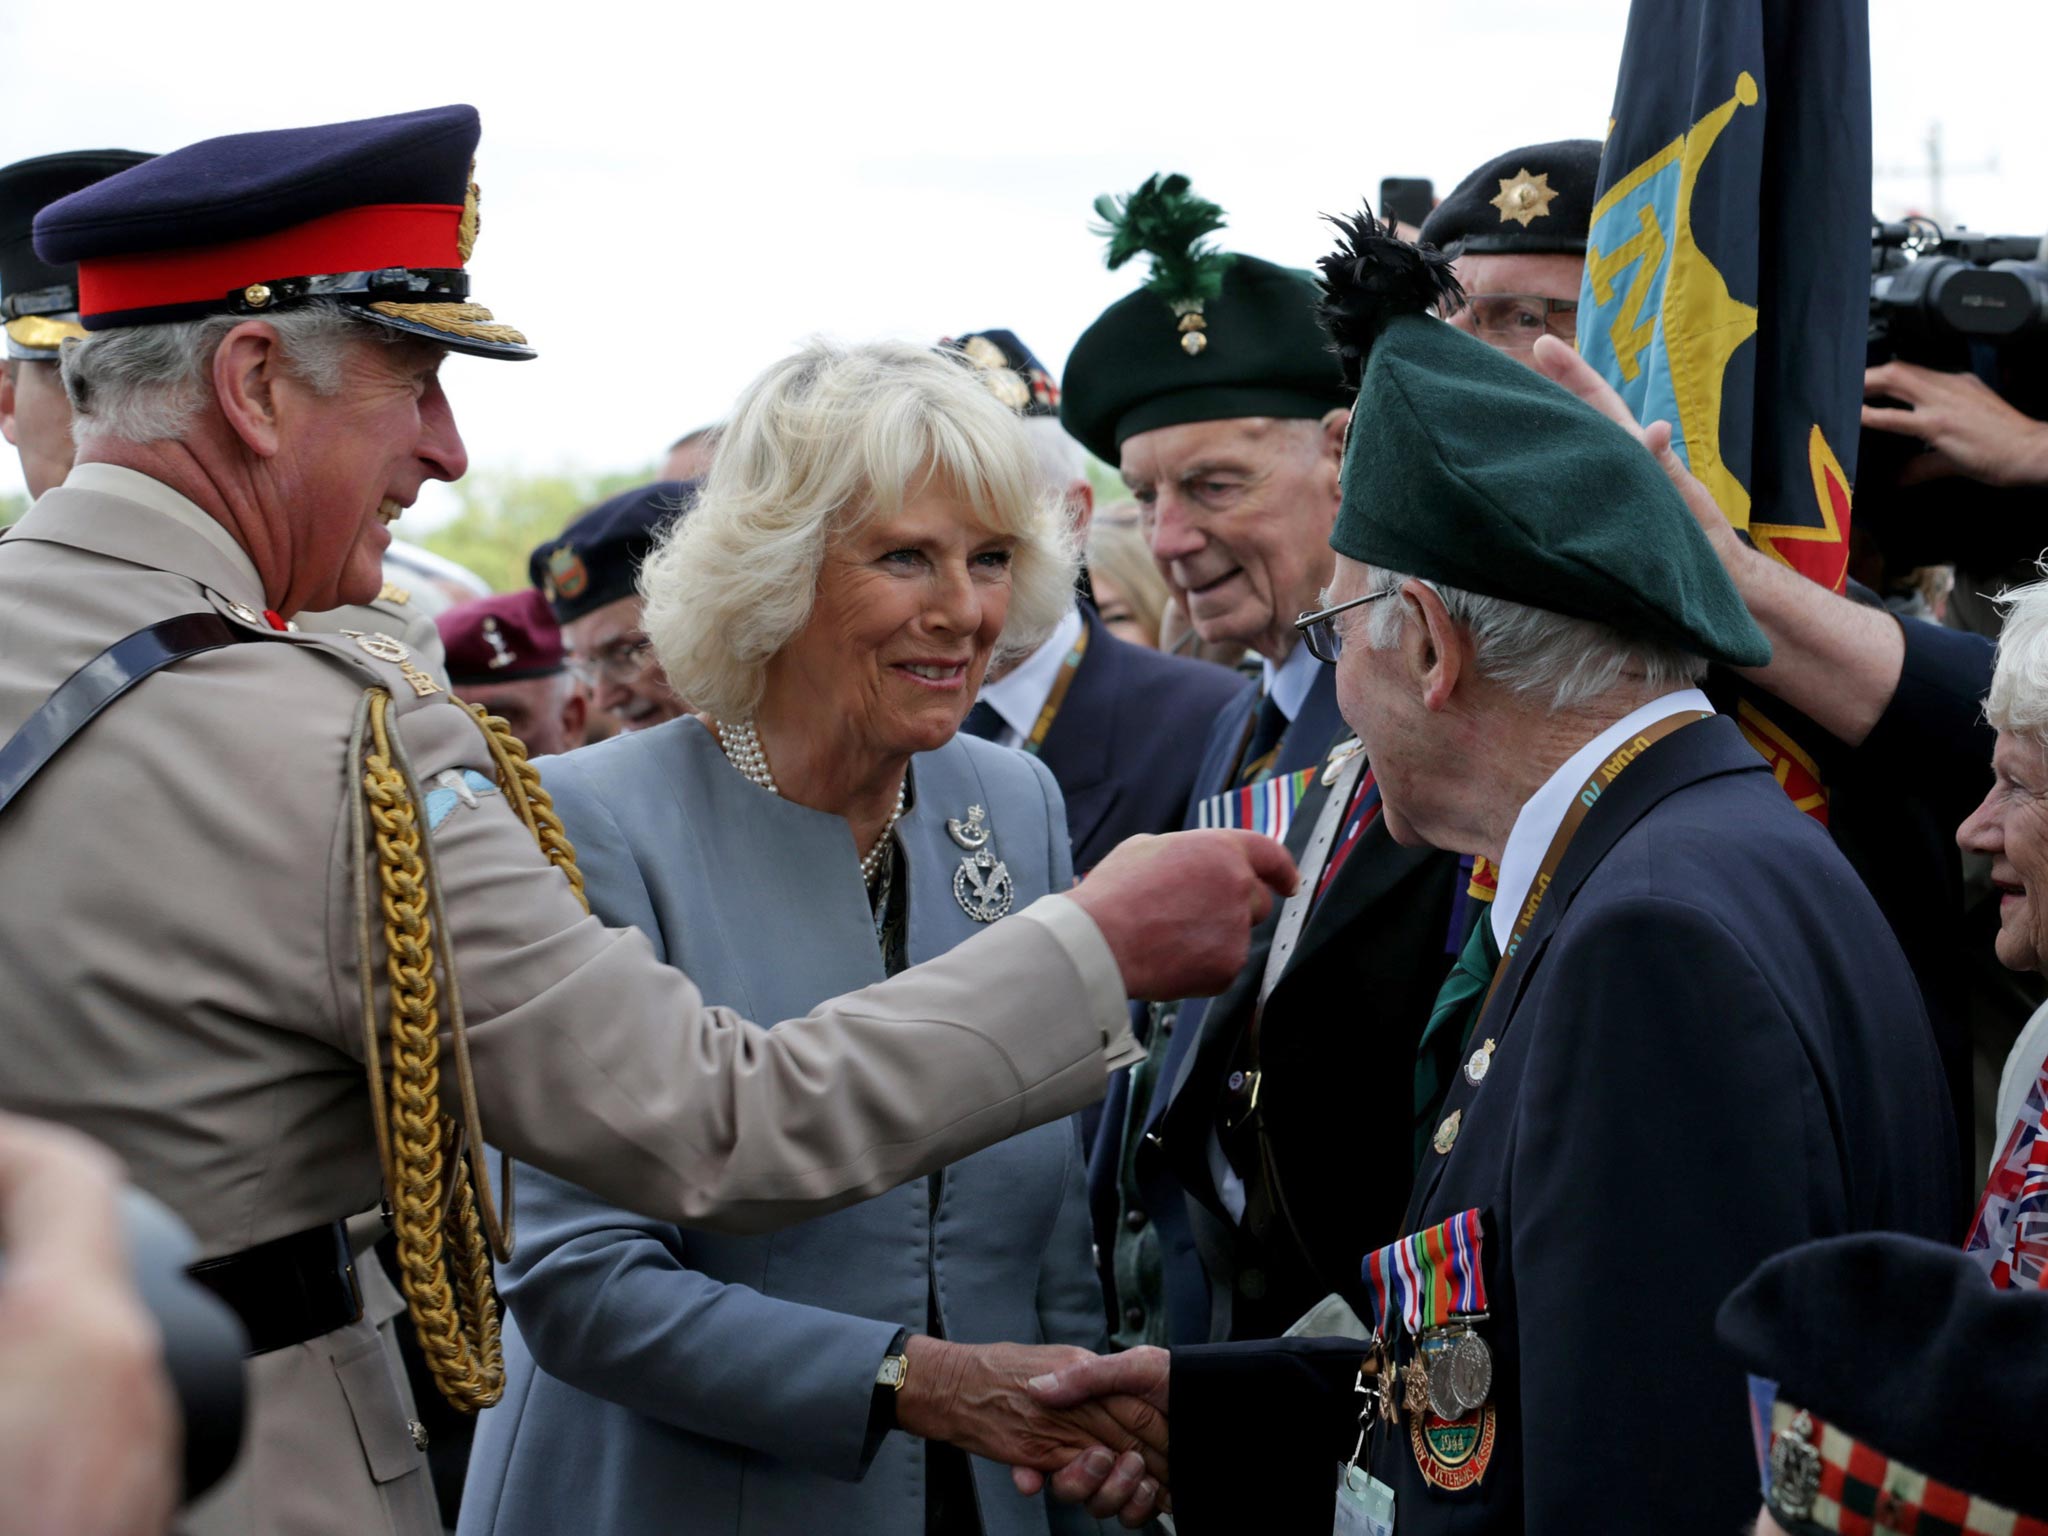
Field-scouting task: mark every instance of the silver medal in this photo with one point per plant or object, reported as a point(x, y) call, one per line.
point(1469, 1373)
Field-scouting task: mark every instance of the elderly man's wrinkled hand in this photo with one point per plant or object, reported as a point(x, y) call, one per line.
point(976, 1396)
point(1124, 1383)
point(1177, 911)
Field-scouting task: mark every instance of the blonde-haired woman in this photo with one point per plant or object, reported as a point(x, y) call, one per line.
point(1130, 594)
point(869, 536)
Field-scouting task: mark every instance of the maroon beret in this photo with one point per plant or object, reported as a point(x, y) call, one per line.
point(501, 639)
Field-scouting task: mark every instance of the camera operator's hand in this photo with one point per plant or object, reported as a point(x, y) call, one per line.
point(1970, 430)
point(89, 1430)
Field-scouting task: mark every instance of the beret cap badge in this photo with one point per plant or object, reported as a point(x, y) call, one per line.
point(1525, 198)
point(1166, 221)
point(1003, 381)
point(566, 576)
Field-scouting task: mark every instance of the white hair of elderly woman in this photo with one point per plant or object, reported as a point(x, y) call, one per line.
point(1534, 651)
point(823, 440)
point(147, 383)
point(2018, 701)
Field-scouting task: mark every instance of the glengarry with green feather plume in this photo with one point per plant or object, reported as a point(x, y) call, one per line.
point(1165, 220)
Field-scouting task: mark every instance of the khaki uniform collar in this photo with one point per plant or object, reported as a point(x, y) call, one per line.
point(119, 512)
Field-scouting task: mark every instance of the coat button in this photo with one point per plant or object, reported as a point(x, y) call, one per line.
point(1251, 1284)
point(1134, 1220)
point(1134, 1317)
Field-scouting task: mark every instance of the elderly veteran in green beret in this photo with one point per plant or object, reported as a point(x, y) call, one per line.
point(1702, 1045)
point(1517, 228)
point(1214, 389)
point(303, 931)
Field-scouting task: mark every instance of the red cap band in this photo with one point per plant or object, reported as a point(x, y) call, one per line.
point(353, 240)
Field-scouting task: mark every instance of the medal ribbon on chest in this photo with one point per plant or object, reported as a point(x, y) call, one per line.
point(1267, 806)
point(1435, 1282)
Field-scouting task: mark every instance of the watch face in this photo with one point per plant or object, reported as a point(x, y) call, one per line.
point(891, 1373)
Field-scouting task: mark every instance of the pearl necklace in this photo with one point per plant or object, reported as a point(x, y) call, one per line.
point(741, 744)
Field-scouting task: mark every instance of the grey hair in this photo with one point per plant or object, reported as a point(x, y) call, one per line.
point(825, 439)
point(1060, 459)
point(2018, 701)
point(148, 383)
point(1534, 651)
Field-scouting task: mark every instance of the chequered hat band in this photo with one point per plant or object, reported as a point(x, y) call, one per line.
point(1819, 1479)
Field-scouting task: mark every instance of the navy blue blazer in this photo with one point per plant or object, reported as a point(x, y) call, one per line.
point(1126, 743)
point(1713, 1051)
point(1307, 741)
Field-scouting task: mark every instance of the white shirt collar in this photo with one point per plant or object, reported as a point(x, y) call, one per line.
point(1290, 682)
point(1021, 692)
point(1544, 812)
point(133, 485)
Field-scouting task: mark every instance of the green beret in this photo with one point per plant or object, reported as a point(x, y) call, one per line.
point(1211, 336)
point(1466, 467)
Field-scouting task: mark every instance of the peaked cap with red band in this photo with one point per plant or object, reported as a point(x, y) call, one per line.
point(378, 214)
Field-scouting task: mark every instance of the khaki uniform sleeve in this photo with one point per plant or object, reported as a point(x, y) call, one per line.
point(600, 1063)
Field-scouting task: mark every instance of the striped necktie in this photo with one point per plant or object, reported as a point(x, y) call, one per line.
point(1268, 726)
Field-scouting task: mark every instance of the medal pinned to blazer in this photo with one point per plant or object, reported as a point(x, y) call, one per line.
point(1434, 1283)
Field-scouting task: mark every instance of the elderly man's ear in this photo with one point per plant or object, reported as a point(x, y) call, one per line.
point(247, 367)
point(1433, 649)
point(7, 407)
point(1336, 432)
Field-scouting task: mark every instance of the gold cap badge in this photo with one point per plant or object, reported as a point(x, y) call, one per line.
point(1524, 198)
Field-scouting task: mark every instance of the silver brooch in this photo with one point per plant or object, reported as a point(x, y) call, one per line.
point(982, 884)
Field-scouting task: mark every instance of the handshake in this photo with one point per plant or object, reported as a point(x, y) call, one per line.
point(1090, 1428)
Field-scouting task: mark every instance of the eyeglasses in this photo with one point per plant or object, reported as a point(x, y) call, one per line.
point(1319, 631)
point(1513, 321)
point(622, 661)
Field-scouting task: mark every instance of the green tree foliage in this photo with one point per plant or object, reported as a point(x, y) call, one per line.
point(505, 515)
point(12, 505)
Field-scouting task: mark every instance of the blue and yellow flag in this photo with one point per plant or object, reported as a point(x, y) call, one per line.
point(1727, 285)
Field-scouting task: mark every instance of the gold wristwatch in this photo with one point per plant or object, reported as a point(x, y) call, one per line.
point(895, 1370)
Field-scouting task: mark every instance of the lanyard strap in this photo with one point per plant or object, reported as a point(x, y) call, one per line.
point(1035, 743)
point(1602, 780)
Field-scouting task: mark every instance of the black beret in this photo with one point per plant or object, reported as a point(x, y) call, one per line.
point(379, 213)
point(1009, 368)
point(1908, 1364)
point(38, 299)
point(1526, 202)
point(597, 559)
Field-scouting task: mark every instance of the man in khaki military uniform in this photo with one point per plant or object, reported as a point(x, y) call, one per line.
point(39, 302)
point(184, 947)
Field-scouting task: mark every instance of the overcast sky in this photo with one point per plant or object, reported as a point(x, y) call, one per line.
point(674, 195)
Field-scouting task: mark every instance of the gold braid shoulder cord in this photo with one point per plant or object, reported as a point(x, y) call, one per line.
point(434, 1173)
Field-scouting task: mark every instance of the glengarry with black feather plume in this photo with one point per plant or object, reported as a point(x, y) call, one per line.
point(1371, 277)
point(1165, 220)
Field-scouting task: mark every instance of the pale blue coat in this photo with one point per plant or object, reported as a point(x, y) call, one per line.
point(684, 1382)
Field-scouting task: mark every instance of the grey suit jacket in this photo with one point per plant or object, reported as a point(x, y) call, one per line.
point(671, 1380)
